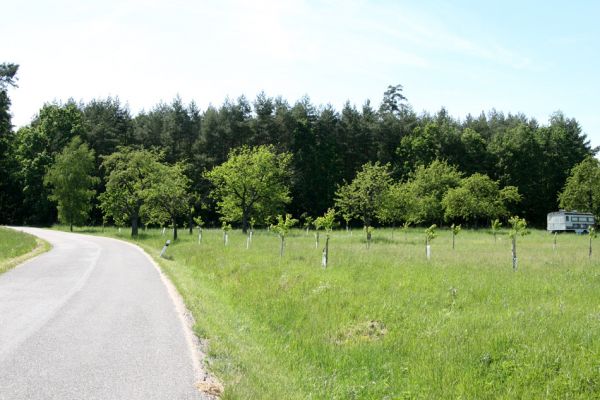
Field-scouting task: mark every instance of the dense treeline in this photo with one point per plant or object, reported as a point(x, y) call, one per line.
point(328, 146)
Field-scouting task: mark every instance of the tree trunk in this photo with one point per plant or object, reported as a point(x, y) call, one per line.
point(514, 253)
point(71, 227)
point(134, 224)
point(191, 223)
point(174, 229)
point(245, 222)
point(326, 252)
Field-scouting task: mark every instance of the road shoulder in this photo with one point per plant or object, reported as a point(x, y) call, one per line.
point(41, 246)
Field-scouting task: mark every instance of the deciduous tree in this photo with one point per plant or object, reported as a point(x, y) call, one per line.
point(71, 182)
point(166, 196)
point(252, 183)
point(363, 196)
point(128, 173)
point(582, 189)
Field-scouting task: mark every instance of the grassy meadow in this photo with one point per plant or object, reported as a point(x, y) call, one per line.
point(385, 323)
point(16, 247)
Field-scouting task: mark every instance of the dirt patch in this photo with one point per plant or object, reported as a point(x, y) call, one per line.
point(210, 388)
point(368, 331)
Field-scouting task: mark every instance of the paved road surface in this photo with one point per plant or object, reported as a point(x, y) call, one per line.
point(91, 319)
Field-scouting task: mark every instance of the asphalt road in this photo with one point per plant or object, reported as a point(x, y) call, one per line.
point(91, 319)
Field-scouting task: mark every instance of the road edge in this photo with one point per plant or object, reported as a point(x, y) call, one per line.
point(206, 383)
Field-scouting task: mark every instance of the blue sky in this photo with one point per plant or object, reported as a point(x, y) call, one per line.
point(533, 57)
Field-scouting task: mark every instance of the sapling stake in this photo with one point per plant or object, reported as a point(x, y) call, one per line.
point(429, 236)
point(592, 234)
point(226, 228)
point(308, 221)
point(347, 218)
point(455, 231)
point(327, 222)
point(518, 227)
point(282, 228)
point(317, 224)
point(369, 231)
point(554, 244)
point(199, 223)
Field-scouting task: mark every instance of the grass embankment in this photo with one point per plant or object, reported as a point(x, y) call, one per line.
point(385, 323)
point(17, 247)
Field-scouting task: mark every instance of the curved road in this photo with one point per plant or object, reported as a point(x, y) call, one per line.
point(91, 319)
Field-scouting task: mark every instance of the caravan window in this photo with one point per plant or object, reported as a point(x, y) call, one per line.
point(567, 218)
point(575, 219)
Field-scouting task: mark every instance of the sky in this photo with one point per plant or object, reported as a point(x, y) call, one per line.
point(532, 57)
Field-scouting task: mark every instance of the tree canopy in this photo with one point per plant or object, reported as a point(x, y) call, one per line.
point(582, 189)
point(71, 182)
point(252, 183)
point(324, 149)
point(128, 174)
point(363, 196)
point(479, 198)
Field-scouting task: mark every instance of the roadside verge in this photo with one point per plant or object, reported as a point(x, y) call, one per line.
point(41, 246)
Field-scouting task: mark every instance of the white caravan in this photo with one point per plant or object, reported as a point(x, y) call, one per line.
point(563, 221)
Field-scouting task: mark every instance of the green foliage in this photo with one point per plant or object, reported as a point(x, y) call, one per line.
point(364, 195)
point(455, 229)
point(35, 148)
point(478, 198)
point(107, 124)
point(71, 182)
point(308, 221)
point(430, 233)
point(283, 225)
point(199, 221)
point(328, 148)
point(582, 189)
point(518, 227)
point(225, 227)
point(495, 225)
point(252, 183)
point(397, 204)
point(327, 221)
point(165, 197)
point(128, 174)
point(427, 188)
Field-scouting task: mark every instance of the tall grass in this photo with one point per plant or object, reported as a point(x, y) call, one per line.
point(386, 323)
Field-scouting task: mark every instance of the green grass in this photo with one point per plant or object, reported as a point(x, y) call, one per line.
point(385, 323)
point(16, 247)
